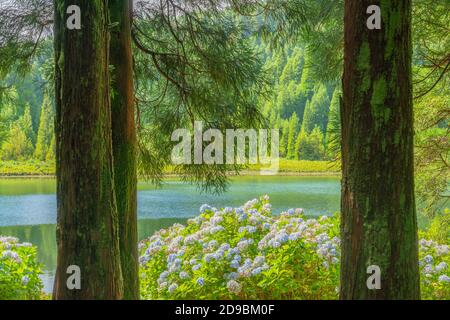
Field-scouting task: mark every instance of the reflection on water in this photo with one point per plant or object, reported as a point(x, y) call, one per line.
point(33, 201)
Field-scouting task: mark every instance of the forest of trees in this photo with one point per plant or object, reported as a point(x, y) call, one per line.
point(301, 106)
point(104, 101)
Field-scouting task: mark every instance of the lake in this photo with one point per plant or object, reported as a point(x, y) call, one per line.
point(28, 206)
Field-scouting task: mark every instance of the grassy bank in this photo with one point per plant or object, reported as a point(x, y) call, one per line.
point(26, 168)
point(286, 167)
point(302, 167)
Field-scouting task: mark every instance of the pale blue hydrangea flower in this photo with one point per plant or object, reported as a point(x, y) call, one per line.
point(259, 261)
point(212, 244)
point(219, 254)
point(256, 271)
point(242, 245)
point(144, 259)
point(242, 217)
point(196, 267)
point(251, 229)
point(232, 276)
point(234, 287)
point(201, 282)
point(276, 244)
point(171, 257)
point(428, 259)
point(216, 229)
point(444, 278)
point(244, 271)
point(282, 238)
point(228, 209)
point(204, 208)
point(428, 269)
point(442, 250)
point(234, 264)
point(209, 257)
point(8, 254)
point(248, 263)
point(441, 266)
point(293, 236)
point(172, 287)
point(177, 262)
point(184, 275)
point(25, 280)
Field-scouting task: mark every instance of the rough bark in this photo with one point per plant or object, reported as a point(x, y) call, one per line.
point(124, 142)
point(378, 209)
point(87, 223)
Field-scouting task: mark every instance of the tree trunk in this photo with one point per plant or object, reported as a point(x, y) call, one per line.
point(378, 210)
point(124, 142)
point(87, 226)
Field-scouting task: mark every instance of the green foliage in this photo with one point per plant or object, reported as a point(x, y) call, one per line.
point(434, 258)
point(50, 156)
point(199, 65)
point(284, 137)
point(311, 146)
point(27, 168)
point(249, 253)
point(432, 149)
point(19, 144)
point(19, 270)
point(333, 132)
point(305, 167)
point(439, 229)
point(243, 253)
point(293, 128)
point(316, 111)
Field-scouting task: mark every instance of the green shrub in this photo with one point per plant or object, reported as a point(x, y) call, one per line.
point(19, 270)
point(434, 258)
point(243, 253)
point(440, 227)
point(248, 253)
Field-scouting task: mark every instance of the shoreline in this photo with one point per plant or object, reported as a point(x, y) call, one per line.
point(243, 173)
point(46, 170)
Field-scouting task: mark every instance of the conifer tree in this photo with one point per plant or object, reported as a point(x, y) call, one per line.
point(45, 131)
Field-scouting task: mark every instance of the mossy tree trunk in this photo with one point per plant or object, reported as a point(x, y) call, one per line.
point(87, 223)
point(124, 141)
point(378, 209)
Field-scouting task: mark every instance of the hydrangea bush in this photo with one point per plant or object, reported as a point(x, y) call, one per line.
point(248, 253)
point(19, 270)
point(434, 260)
point(243, 253)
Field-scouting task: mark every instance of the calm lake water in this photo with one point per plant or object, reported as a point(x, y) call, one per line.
point(28, 206)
